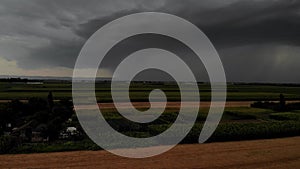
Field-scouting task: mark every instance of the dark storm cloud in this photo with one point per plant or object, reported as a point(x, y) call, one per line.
point(234, 24)
point(85, 30)
point(245, 22)
point(262, 32)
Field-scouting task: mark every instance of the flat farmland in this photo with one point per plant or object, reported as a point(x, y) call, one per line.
point(239, 122)
point(272, 153)
point(139, 92)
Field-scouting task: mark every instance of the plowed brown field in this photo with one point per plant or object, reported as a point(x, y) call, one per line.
point(274, 153)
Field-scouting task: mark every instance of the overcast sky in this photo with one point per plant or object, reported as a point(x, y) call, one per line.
point(258, 40)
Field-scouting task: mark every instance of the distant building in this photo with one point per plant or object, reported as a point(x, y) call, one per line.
point(69, 132)
point(35, 83)
point(23, 132)
point(27, 134)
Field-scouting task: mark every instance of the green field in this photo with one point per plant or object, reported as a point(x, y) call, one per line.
point(239, 123)
point(139, 91)
point(242, 123)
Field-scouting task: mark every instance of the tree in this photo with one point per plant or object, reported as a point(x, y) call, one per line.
point(36, 104)
point(282, 103)
point(7, 116)
point(53, 128)
point(7, 143)
point(50, 101)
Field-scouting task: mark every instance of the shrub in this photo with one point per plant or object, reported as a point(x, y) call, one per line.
point(7, 143)
point(241, 115)
point(285, 116)
point(255, 130)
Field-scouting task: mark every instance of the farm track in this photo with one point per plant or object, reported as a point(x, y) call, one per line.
point(204, 104)
point(273, 153)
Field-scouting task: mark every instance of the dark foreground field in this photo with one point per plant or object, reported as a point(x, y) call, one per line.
point(274, 153)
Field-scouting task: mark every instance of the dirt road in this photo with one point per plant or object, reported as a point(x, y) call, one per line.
point(204, 104)
point(170, 104)
point(274, 153)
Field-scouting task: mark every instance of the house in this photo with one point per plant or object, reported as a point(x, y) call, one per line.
point(23, 132)
point(69, 132)
point(27, 134)
point(38, 137)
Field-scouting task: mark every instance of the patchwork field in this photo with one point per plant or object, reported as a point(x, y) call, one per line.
point(226, 148)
